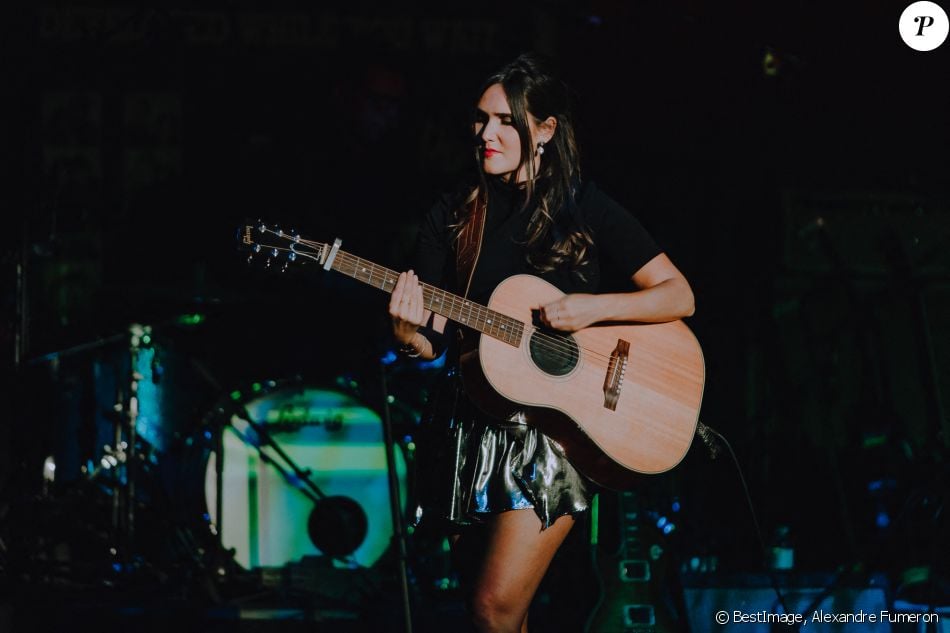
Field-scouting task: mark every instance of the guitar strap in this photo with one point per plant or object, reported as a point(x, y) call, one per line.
point(470, 240)
point(470, 244)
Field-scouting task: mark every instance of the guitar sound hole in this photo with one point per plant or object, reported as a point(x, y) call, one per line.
point(554, 353)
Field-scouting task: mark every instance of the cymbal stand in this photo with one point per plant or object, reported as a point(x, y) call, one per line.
point(122, 454)
point(113, 457)
point(141, 335)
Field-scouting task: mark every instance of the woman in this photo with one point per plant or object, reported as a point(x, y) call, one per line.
point(508, 480)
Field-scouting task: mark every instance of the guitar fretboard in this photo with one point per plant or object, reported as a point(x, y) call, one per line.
point(451, 306)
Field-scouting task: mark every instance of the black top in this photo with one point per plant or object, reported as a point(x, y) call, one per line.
point(621, 244)
point(494, 467)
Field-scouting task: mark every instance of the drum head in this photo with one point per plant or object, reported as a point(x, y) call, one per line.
point(328, 433)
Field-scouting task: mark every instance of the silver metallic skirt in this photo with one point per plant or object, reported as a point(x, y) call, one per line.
point(472, 465)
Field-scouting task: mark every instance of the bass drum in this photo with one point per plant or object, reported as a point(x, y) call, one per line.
point(327, 433)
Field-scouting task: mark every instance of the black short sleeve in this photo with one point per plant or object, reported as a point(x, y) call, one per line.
point(618, 236)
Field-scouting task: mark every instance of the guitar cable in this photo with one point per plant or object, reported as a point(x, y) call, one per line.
point(709, 437)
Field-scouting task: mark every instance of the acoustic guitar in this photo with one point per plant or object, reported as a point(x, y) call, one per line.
point(621, 399)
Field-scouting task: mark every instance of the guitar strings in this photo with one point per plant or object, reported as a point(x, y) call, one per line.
point(555, 344)
point(549, 342)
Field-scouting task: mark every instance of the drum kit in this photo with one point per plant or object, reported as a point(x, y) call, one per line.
point(180, 476)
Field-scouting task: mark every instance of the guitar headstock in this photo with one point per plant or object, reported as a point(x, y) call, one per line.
point(277, 245)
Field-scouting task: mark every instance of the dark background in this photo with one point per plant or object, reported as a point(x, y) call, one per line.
point(790, 157)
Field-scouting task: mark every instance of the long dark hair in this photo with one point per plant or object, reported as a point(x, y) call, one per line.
point(553, 240)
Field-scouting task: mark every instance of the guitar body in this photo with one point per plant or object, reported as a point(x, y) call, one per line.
point(561, 383)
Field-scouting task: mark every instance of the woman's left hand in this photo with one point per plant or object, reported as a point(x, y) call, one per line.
point(571, 312)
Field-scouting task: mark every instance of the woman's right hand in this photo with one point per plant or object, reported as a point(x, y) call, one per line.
point(406, 307)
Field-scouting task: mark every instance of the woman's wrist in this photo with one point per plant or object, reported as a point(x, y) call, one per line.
point(407, 341)
point(415, 346)
point(608, 307)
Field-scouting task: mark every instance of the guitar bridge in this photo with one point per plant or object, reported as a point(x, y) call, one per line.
point(616, 369)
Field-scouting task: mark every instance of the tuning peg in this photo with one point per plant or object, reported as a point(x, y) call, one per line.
point(292, 256)
point(277, 230)
point(257, 248)
point(261, 226)
point(274, 252)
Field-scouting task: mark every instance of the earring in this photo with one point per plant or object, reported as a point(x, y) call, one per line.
point(540, 147)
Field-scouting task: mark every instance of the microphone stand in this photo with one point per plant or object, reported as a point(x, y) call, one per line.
point(399, 535)
point(301, 475)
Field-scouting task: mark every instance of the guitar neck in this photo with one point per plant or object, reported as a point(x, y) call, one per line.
point(447, 304)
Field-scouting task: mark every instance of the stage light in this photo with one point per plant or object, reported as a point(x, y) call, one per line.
point(191, 319)
point(882, 520)
point(49, 469)
point(771, 63)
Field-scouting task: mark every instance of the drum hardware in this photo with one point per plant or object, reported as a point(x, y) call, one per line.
point(120, 453)
point(293, 489)
point(99, 491)
point(128, 432)
point(337, 525)
point(88, 346)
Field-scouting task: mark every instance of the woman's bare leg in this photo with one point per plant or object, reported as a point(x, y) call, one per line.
point(516, 556)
